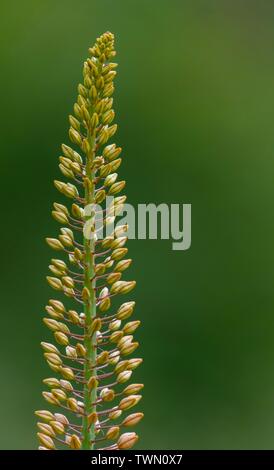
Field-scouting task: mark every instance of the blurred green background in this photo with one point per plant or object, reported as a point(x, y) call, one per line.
point(195, 108)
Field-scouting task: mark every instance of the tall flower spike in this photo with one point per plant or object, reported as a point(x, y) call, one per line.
point(91, 354)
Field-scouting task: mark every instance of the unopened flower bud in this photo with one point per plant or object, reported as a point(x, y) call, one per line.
point(61, 338)
point(127, 440)
point(130, 327)
point(124, 376)
point(92, 383)
point(61, 419)
point(129, 349)
point(51, 382)
point(72, 404)
point(116, 187)
point(46, 441)
point(67, 373)
point(134, 363)
point(119, 253)
point(107, 394)
point(55, 283)
point(75, 442)
point(44, 414)
point(114, 325)
point(50, 348)
point(133, 419)
point(54, 244)
point(133, 389)
point(113, 432)
point(59, 394)
point(125, 310)
point(59, 428)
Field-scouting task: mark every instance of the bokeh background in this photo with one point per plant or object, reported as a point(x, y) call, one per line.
point(195, 108)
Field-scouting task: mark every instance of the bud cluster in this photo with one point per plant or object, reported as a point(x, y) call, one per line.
point(93, 339)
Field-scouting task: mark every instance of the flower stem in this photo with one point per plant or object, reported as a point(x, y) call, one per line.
point(90, 396)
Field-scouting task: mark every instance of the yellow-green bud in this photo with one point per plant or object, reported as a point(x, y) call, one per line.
point(131, 326)
point(121, 367)
point(125, 310)
point(119, 253)
point(52, 382)
point(113, 277)
point(116, 187)
point(92, 383)
point(81, 350)
point(46, 441)
point(102, 358)
point(48, 347)
point(54, 244)
point(114, 165)
point(57, 427)
point(134, 363)
point(110, 179)
point(65, 240)
point(116, 336)
point(60, 208)
point(118, 242)
point(114, 325)
point(59, 394)
point(51, 324)
point(61, 338)
point(124, 376)
point(74, 123)
point(100, 196)
point(108, 117)
point(75, 136)
point(75, 442)
point(50, 398)
point(129, 349)
point(107, 394)
point(67, 373)
point(113, 432)
point(56, 304)
point(45, 415)
point(72, 404)
point(123, 265)
point(68, 281)
point(53, 358)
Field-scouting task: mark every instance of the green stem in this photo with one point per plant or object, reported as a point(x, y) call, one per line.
point(90, 312)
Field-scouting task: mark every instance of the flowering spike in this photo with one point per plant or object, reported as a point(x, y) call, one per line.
point(91, 340)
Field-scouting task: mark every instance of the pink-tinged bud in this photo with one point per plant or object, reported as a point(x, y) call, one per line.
point(61, 419)
point(133, 389)
point(129, 402)
point(127, 440)
point(133, 419)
